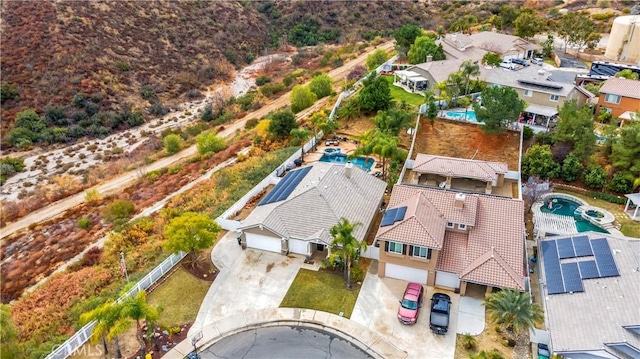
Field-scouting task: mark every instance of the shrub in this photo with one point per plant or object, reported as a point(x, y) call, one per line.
point(245, 101)
point(527, 132)
point(544, 138)
point(321, 85)
point(262, 80)
point(147, 93)
point(172, 143)
point(269, 90)
point(122, 66)
point(608, 197)
point(92, 196)
point(571, 168)
point(469, 342)
point(595, 176)
point(118, 210)
point(157, 109)
point(622, 182)
point(8, 92)
point(357, 273)
point(84, 222)
point(251, 123)
point(209, 142)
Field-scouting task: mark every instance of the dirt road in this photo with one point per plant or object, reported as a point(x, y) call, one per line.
point(124, 180)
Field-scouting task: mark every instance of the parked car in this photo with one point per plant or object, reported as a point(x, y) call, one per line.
point(537, 61)
point(543, 351)
point(331, 143)
point(440, 311)
point(522, 62)
point(410, 304)
point(508, 65)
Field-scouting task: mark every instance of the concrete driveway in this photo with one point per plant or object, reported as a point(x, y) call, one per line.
point(377, 307)
point(249, 280)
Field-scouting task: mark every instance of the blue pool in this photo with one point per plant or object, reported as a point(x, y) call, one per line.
point(456, 115)
point(336, 157)
point(565, 207)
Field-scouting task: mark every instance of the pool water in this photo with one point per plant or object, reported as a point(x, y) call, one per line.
point(470, 116)
point(565, 207)
point(362, 162)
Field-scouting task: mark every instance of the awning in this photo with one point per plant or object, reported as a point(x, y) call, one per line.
point(541, 110)
point(629, 115)
point(417, 79)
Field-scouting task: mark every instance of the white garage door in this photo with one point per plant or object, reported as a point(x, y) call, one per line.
point(447, 279)
point(406, 273)
point(266, 243)
point(509, 57)
point(298, 246)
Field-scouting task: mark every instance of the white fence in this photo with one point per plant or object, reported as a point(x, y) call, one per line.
point(372, 252)
point(72, 344)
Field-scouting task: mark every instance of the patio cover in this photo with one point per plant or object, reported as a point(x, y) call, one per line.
point(635, 199)
point(541, 110)
point(417, 79)
point(629, 115)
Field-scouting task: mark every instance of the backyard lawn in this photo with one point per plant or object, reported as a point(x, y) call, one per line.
point(179, 297)
point(322, 291)
point(400, 95)
point(629, 227)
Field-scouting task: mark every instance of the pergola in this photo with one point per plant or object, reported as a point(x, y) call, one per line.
point(409, 78)
point(635, 199)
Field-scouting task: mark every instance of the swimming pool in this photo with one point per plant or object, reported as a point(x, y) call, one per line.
point(336, 157)
point(566, 207)
point(456, 115)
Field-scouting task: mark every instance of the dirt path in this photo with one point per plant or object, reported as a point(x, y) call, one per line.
point(124, 180)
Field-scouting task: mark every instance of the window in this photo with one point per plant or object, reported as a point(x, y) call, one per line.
point(449, 224)
point(612, 98)
point(553, 98)
point(462, 226)
point(395, 247)
point(421, 252)
point(528, 93)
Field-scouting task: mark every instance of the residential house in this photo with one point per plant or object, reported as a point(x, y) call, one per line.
point(297, 214)
point(509, 46)
point(620, 97)
point(589, 286)
point(452, 239)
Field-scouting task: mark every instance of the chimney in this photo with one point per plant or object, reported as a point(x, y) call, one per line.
point(429, 58)
point(347, 169)
point(459, 201)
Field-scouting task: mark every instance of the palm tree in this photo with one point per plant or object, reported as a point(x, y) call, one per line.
point(136, 308)
point(301, 134)
point(444, 92)
point(432, 111)
point(469, 69)
point(345, 245)
point(516, 314)
point(109, 324)
point(317, 120)
point(455, 80)
point(386, 146)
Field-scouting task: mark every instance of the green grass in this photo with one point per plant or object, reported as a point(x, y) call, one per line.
point(628, 227)
point(400, 94)
point(322, 291)
point(179, 298)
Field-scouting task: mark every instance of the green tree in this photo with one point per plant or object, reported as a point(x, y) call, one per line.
point(547, 45)
point(317, 120)
point(625, 150)
point(622, 182)
point(595, 176)
point(301, 98)
point(516, 313)
point(627, 74)
point(508, 15)
point(30, 120)
point(432, 110)
point(576, 126)
point(9, 345)
point(190, 232)
point(528, 24)
point(382, 144)
point(444, 92)
point(405, 37)
point(469, 69)
point(492, 59)
point(301, 135)
point(575, 27)
point(392, 121)
point(109, 324)
point(209, 142)
point(463, 24)
point(423, 47)
point(500, 107)
point(321, 85)
point(118, 211)
point(376, 94)
point(345, 245)
point(281, 124)
point(8, 91)
point(376, 59)
point(207, 113)
point(538, 162)
point(172, 143)
point(137, 309)
point(571, 168)
point(456, 81)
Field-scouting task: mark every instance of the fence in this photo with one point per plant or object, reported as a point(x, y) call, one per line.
point(72, 344)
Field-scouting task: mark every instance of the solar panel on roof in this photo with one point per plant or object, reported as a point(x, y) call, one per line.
point(571, 276)
point(552, 269)
point(582, 246)
point(389, 217)
point(588, 270)
point(565, 248)
point(286, 185)
point(604, 259)
point(400, 213)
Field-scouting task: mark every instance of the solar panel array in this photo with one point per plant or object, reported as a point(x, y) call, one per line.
point(393, 215)
point(567, 277)
point(286, 185)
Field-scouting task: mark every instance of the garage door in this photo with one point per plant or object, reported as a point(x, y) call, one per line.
point(266, 243)
point(406, 273)
point(509, 57)
point(298, 246)
point(447, 279)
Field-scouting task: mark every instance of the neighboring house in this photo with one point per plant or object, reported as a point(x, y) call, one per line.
point(589, 285)
point(297, 214)
point(618, 95)
point(452, 239)
point(509, 46)
point(460, 174)
point(460, 47)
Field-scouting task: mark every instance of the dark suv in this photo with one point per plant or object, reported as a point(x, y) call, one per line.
point(522, 62)
point(410, 304)
point(440, 310)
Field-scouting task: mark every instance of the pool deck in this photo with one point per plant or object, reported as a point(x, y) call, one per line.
point(346, 147)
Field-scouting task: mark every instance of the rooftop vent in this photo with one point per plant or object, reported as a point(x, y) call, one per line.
point(347, 169)
point(459, 200)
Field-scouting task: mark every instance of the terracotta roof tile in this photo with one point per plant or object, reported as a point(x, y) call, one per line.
point(491, 268)
point(622, 87)
point(458, 167)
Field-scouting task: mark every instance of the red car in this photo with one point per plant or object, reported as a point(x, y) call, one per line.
point(410, 304)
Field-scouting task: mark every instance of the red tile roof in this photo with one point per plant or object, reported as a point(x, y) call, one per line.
point(458, 167)
point(621, 87)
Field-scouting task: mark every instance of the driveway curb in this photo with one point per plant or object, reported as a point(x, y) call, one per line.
point(367, 340)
